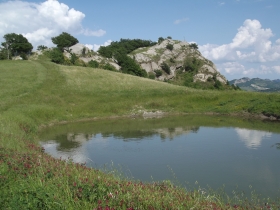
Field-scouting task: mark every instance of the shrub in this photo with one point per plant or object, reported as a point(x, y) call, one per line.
point(109, 67)
point(192, 64)
point(172, 60)
point(158, 73)
point(165, 67)
point(169, 46)
point(218, 85)
point(73, 58)
point(93, 64)
point(57, 56)
point(169, 37)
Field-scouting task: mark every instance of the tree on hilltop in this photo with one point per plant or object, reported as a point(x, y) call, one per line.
point(16, 44)
point(194, 46)
point(64, 41)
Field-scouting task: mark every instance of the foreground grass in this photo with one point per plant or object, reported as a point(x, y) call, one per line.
point(39, 93)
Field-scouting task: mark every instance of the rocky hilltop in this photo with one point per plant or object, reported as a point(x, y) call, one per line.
point(152, 58)
point(257, 84)
point(167, 60)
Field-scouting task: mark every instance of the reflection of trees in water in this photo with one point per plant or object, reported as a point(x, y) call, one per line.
point(132, 135)
point(70, 141)
point(164, 133)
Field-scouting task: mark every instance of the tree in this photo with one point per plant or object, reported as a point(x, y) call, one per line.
point(160, 40)
point(194, 46)
point(169, 37)
point(16, 44)
point(42, 47)
point(64, 41)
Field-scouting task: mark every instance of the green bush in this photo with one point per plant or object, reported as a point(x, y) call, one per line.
point(192, 64)
point(169, 46)
point(73, 58)
point(109, 67)
point(93, 64)
point(57, 56)
point(158, 73)
point(218, 85)
point(172, 60)
point(165, 67)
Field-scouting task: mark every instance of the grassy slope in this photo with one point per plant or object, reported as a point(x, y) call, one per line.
point(35, 93)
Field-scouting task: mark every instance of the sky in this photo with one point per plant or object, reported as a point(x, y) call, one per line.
point(241, 37)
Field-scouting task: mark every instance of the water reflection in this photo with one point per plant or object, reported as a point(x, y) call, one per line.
point(252, 138)
point(212, 152)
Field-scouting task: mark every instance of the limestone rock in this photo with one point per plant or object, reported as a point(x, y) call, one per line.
point(151, 59)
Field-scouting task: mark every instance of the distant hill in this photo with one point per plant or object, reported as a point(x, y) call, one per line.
point(257, 84)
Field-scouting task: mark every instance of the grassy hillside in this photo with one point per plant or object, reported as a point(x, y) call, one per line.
point(38, 93)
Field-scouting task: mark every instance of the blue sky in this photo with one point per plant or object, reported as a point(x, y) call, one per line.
point(242, 37)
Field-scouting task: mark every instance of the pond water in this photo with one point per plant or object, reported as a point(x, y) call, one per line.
point(216, 152)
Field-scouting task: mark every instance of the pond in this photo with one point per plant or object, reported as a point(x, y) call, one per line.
point(194, 151)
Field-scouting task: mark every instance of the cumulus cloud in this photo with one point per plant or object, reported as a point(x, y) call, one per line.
point(38, 22)
point(96, 47)
point(251, 44)
point(252, 138)
point(181, 20)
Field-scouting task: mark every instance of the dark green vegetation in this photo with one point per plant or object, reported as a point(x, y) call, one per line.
point(119, 51)
point(40, 93)
point(257, 84)
point(14, 45)
point(64, 41)
point(190, 68)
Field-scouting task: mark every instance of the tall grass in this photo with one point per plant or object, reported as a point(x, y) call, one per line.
point(35, 94)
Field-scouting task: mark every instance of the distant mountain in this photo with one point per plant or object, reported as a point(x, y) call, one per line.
point(257, 84)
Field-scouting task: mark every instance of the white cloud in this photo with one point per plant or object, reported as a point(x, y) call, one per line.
point(97, 33)
point(38, 22)
point(232, 67)
point(96, 47)
point(276, 69)
point(180, 20)
point(251, 45)
point(252, 138)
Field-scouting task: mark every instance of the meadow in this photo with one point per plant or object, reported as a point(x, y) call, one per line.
point(35, 94)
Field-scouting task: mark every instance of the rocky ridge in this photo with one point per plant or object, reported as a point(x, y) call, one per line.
point(151, 59)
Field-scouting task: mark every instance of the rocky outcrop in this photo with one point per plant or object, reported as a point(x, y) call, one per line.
point(151, 59)
point(86, 55)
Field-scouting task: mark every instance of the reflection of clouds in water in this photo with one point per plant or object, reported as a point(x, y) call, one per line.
point(78, 155)
point(252, 138)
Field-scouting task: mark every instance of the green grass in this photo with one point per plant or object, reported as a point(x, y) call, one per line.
point(34, 94)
